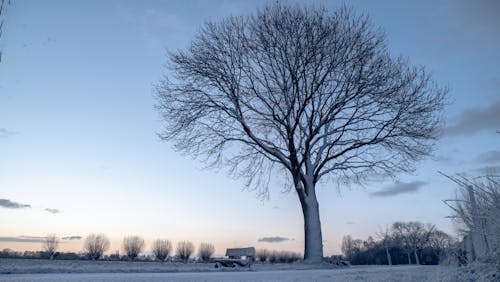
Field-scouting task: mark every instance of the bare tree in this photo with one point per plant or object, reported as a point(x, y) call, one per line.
point(440, 242)
point(133, 245)
point(184, 250)
point(50, 245)
point(161, 249)
point(95, 245)
point(302, 91)
point(401, 236)
point(205, 251)
point(350, 246)
point(413, 236)
point(476, 210)
point(387, 240)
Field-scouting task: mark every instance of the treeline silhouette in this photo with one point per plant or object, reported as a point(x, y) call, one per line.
point(403, 243)
point(96, 245)
point(273, 256)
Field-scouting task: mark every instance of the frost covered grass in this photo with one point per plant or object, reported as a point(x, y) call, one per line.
point(20, 266)
point(28, 266)
point(46, 270)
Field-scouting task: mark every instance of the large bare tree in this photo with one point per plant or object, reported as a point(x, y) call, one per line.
point(299, 90)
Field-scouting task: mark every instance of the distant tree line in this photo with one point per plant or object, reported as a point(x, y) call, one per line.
point(96, 245)
point(274, 256)
point(403, 243)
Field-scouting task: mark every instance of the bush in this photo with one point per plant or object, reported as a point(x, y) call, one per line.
point(68, 256)
point(205, 251)
point(161, 249)
point(184, 250)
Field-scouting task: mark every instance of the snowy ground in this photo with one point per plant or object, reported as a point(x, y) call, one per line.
point(103, 271)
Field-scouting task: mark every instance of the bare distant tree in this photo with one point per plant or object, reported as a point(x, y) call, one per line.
point(413, 236)
point(303, 91)
point(184, 250)
point(205, 251)
point(350, 246)
point(386, 240)
point(95, 245)
point(133, 245)
point(440, 242)
point(161, 249)
point(51, 244)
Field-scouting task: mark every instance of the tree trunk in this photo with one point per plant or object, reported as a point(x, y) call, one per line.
point(313, 248)
point(389, 260)
point(409, 258)
point(417, 260)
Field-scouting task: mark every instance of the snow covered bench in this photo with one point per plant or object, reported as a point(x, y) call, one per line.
point(236, 257)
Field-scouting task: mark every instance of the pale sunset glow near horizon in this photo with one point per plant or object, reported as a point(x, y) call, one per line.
point(80, 154)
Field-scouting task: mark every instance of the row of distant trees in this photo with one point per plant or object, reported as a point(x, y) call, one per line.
point(95, 245)
point(274, 256)
point(402, 243)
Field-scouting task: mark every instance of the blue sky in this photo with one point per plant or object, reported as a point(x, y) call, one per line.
point(78, 128)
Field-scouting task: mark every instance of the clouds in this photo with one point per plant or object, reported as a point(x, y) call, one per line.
point(23, 239)
point(488, 170)
point(8, 204)
point(479, 17)
point(275, 239)
point(72, 238)
point(51, 210)
point(400, 188)
point(34, 239)
point(472, 121)
point(4, 133)
point(489, 157)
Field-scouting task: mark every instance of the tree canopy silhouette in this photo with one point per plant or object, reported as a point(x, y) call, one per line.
point(299, 90)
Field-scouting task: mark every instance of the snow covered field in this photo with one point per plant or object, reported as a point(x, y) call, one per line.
point(77, 271)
